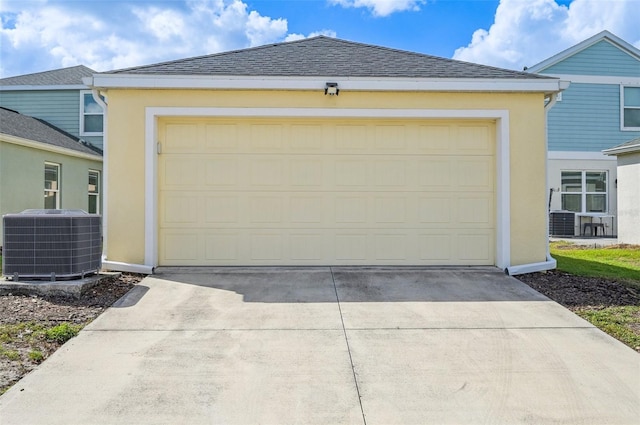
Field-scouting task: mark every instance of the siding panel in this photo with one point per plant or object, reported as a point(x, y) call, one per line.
point(587, 119)
point(603, 58)
point(58, 107)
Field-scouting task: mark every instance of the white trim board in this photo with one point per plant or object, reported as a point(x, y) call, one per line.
point(578, 156)
point(503, 197)
point(49, 87)
point(546, 85)
point(598, 79)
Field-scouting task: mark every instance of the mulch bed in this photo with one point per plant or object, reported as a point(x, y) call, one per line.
point(576, 291)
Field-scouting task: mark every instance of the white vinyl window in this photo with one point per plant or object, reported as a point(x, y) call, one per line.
point(630, 105)
point(584, 191)
point(94, 192)
point(51, 186)
point(91, 115)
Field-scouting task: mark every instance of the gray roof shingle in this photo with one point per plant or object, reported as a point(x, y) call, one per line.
point(15, 124)
point(57, 77)
point(325, 56)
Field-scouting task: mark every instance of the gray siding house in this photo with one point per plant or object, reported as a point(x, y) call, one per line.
point(599, 110)
point(58, 97)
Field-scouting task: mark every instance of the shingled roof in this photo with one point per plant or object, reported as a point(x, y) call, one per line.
point(325, 56)
point(15, 124)
point(57, 77)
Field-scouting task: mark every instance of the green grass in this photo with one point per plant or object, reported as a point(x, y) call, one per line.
point(617, 262)
point(621, 263)
point(622, 323)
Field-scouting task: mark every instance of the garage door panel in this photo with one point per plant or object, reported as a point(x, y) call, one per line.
point(474, 139)
point(304, 192)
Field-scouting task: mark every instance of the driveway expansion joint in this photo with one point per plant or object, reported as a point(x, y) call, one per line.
point(346, 338)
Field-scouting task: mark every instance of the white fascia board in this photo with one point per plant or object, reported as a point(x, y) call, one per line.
point(578, 155)
point(35, 88)
point(622, 150)
point(107, 81)
point(598, 79)
point(46, 147)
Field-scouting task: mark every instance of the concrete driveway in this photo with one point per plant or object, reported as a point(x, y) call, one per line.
point(333, 346)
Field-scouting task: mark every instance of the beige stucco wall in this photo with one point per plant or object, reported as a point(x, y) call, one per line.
point(126, 136)
point(629, 198)
point(22, 178)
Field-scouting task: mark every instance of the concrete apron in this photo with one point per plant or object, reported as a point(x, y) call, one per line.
point(332, 346)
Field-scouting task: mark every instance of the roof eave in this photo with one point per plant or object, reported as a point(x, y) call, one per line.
point(36, 144)
point(130, 81)
point(43, 87)
point(622, 150)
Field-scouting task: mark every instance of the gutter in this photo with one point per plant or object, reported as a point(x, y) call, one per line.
point(550, 263)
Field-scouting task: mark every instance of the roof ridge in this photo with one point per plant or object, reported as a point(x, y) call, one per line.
point(50, 71)
point(323, 56)
point(210, 55)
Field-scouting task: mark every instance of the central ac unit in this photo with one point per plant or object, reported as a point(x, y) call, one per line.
point(51, 244)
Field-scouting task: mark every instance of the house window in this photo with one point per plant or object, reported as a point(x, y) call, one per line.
point(630, 108)
point(584, 191)
point(94, 192)
point(51, 186)
point(91, 115)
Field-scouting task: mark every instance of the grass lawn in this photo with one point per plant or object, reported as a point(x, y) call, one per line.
point(617, 262)
point(620, 263)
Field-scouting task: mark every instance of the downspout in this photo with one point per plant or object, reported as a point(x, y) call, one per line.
point(106, 264)
point(550, 263)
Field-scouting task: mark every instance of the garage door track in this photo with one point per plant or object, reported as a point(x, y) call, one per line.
point(332, 346)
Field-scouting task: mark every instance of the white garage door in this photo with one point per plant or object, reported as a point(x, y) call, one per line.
point(326, 192)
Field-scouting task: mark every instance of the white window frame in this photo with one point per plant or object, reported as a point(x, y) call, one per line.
point(58, 186)
point(83, 93)
point(96, 194)
point(583, 190)
point(623, 107)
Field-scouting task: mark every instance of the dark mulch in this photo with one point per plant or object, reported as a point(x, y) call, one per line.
point(52, 311)
point(576, 291)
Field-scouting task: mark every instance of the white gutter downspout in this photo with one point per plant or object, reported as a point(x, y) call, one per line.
point(106, 264)
point(550, 262)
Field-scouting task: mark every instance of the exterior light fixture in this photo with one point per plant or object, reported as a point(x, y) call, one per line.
point(331, 89)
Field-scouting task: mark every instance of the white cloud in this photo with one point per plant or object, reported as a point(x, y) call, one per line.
point(526, 32)
point(49, 34)
point(381, 7)
point(327, 33)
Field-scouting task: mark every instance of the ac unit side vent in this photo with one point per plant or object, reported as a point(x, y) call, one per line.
point(60, 243)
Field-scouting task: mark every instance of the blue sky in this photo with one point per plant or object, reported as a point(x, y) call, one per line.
point(38, 35)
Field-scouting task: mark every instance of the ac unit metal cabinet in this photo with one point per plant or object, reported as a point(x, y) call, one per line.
point(562, 223)
point(51, 244)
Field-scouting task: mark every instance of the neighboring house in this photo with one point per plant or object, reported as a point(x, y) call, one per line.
point(58, 97)
point(43, 167)
point(599, 110)
point(628, 160)
point(325, 152)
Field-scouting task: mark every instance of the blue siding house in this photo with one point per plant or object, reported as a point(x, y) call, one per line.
point(58, 97)
point(599, 110)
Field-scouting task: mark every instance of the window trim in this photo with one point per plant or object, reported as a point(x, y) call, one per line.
point(58, 190)
point(96, 193)
point(583, 190)
point(83, 93)
point(623, 107)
